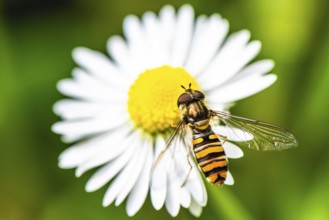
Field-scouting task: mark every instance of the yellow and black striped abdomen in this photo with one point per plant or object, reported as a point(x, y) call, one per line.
point(211, 157)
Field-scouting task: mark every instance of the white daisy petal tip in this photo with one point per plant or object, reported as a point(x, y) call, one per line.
point(65, 164)
point(255, 45)
point(167, 10)
point(131, 211)
point(113, 40)
point(245, 34)
point(130, 24)
point(79, 172)
point(272, 78)
point(270, 63)
point(90, 188)
point(186, 7)
point(79, 53)
point(54, 127)
point(57, 108)
point(241, 36)
point(232, 151)
point(63, 85)
point(158, 197)
point(105, 203)
point(229, 179)
point(195, 209)
point(130, 19)
point(148, 16)
point(261, 67)
point(69, 159)
point(268, 80)
point(77, 50)
point(185, 198)
point(242, 88)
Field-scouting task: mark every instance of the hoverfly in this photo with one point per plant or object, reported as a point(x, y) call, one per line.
point(206, 147)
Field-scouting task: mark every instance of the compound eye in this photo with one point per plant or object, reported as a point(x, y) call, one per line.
point(198, 95)
point(183, 99)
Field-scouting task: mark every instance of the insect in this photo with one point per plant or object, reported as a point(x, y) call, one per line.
point(207, 147)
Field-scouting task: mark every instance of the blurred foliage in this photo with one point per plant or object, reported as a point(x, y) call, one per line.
point(36, 40)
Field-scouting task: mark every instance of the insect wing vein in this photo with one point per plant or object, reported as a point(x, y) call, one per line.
point(172, 161)
point(265, 136)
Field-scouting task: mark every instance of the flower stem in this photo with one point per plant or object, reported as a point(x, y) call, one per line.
point(226, 205)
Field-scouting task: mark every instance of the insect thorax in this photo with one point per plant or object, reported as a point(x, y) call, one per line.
point(197, 115)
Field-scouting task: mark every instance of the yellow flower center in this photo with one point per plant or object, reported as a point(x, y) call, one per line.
point(152, 102)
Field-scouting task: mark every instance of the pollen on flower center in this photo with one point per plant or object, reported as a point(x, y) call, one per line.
point(153, 97)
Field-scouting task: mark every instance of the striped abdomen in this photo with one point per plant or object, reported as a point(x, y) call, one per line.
point(210, 155)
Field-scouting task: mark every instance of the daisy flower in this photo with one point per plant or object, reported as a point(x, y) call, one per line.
point(120, 108)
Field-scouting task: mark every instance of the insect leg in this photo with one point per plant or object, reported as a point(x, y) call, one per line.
point(166, 148)
point(190, 167)
point(222, 137)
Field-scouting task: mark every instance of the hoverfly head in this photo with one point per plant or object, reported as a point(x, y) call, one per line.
point(189, 96)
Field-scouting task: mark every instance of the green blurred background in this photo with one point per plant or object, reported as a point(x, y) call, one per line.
point(36, 40)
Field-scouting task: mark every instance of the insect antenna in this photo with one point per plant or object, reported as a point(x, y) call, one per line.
point(189, 87)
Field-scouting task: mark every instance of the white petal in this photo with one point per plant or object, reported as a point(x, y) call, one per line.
point(137, 171)
point(195, 209)
point(99, 65)
point(232, 151)
point(73, 89)
point(229, 179)
point(139, 193)
point(87, 87)
point(183, 35)
point(241, 88)
point(173, 200)
point(219, 106)
point(246, 55)
point(73, 156)
point(75, 109)
point(208, 36)
point(185, 197)
point(167, 25)
point(195, 186)
point(112, 149)
point(80, 152)
point(119, 50)
point(255, 69)
point(234, 65)
point(159, 178)
point(75, 130)
point(204, 192)
point(139, 50)
point(158, 44)
point(119, 182)
point(167, 20)
point(175, 158)
point(219, 69)
point(176, 162)
point(85, 80)
point(107, 172)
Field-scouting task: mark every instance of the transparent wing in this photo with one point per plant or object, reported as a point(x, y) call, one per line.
point(256, 134)
point(177, 133)
point(173, 161)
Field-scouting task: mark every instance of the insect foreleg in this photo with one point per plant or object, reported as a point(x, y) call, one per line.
point(190, 166)
point(222, 137)
point(188, 174)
